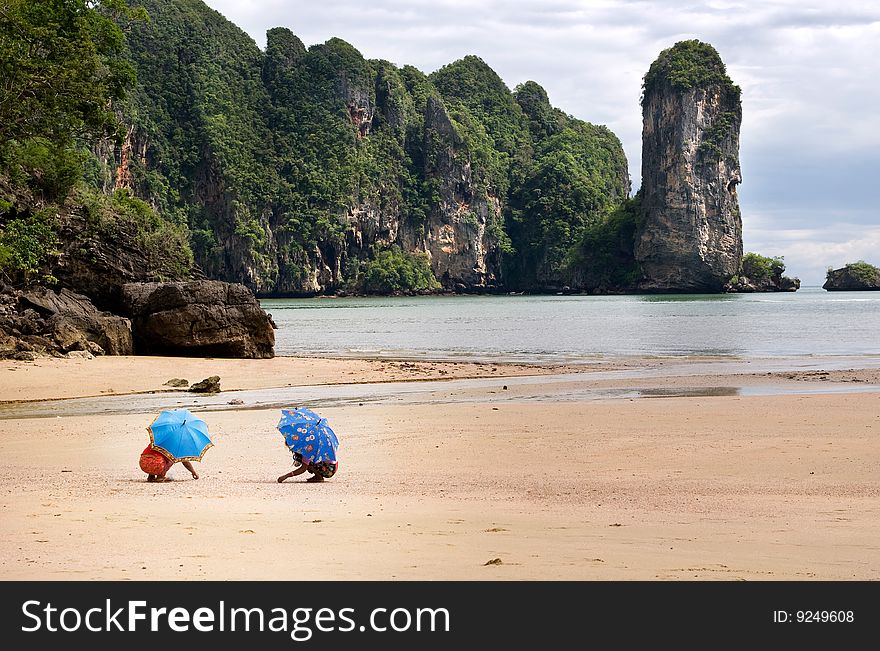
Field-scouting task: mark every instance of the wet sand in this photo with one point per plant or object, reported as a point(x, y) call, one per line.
point(49, 378)
point(758, 487)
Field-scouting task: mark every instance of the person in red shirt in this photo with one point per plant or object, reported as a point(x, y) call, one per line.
point(156, 464)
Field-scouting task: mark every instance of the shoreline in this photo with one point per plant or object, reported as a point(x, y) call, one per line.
point(62, 379)
point(58, 378)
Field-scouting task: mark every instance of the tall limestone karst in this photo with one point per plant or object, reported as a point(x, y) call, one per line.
point(690, 239)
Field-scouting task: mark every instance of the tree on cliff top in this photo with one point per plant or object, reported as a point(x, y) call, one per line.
point(685, 65)
point(491, 121)
point(760, 267)
point(544, 120)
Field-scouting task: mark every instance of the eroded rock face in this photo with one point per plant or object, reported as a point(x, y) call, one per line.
point(691, 236)
point(98, 266)
point(456, 235)
point(206, 318)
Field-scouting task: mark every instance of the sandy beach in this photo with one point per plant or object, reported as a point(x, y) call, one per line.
point(725, 474)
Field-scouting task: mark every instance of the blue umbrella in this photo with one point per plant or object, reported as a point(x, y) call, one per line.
point(180, 435)
point(308, 434)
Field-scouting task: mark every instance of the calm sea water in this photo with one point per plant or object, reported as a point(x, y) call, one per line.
point(579, 328)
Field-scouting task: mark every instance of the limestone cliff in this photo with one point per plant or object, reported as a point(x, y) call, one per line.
point(293, 167)
point(690, 238)
point(296, 167)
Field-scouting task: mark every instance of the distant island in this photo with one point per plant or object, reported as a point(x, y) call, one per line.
point(855, 276)
point(167, 146)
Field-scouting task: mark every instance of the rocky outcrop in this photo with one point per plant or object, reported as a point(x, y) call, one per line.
point(746, 285)
point(208, 385)
point(759, 273)
point(691, 234)
point(205, 318)
point(39, 321)
point(854, 277)
point(98, 264)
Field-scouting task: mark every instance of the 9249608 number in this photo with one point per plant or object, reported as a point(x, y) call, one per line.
point(824, 616)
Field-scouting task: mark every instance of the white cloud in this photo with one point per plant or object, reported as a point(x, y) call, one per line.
point(808, 70)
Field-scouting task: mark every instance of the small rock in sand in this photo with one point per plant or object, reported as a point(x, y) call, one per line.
point(176, 382)
point(208, 385)
point(494, 561)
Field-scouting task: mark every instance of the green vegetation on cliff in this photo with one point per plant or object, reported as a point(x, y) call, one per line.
point(762, 274)
point(64, 71)
point(688, 64)
point(714, 136)
point(543, 119)
point(295, 169)
point(489, 117)
point(26, 242)
point(760, 267)
point(198, 109)
point(575, 177)
point(394, 270)
point(61, 67)
point(275, 159)
point(121, 217)
point(603, 259)
point(861, 271)
point(854, 276)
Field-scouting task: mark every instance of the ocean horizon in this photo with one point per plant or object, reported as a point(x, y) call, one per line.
point(578, 328)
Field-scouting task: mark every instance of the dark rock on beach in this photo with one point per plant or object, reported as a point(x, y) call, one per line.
point(99, 266)
point(208, 385)
point(201, 318)
point(76, 324)
point(40, 321)
point(176, 382)
point(205, 318)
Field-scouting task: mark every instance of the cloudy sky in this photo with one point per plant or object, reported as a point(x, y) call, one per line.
point(809, 71)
